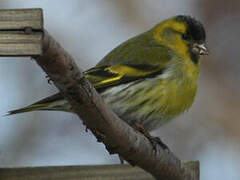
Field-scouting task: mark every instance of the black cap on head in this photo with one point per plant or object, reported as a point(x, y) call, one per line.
point(195, 28)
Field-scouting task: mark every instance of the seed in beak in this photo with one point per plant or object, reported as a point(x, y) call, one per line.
point(200, 49)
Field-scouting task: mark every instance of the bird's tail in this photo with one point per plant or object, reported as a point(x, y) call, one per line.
point(33, 107)
point(54, 103)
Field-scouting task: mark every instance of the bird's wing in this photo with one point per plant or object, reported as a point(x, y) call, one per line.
point(138, 58)
point(106, 76)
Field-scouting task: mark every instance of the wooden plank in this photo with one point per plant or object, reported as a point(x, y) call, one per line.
point(18, 19)
point(99, 172)
point(21, 32)
point(192, 167)
point(20, 44)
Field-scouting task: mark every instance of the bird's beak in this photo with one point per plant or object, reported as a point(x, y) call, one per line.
point(200, 49)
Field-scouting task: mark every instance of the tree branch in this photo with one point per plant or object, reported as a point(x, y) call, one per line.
point(117, 135)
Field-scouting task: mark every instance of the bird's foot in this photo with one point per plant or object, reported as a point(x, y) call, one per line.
point(155, 141)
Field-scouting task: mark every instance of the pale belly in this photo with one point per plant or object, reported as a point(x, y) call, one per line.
point(148, 103)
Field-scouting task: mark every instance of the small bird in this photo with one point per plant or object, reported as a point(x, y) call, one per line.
point(149, 79)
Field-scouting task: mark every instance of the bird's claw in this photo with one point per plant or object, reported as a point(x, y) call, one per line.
point(154, 140)
point(157, 141)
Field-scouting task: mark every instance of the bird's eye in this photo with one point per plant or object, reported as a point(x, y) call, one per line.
point(185, 36)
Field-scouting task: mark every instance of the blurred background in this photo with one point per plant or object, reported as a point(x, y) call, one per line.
point(208, 132)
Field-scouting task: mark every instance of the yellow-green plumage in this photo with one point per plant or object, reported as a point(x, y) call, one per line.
point(150, 78)
point(153, 101)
